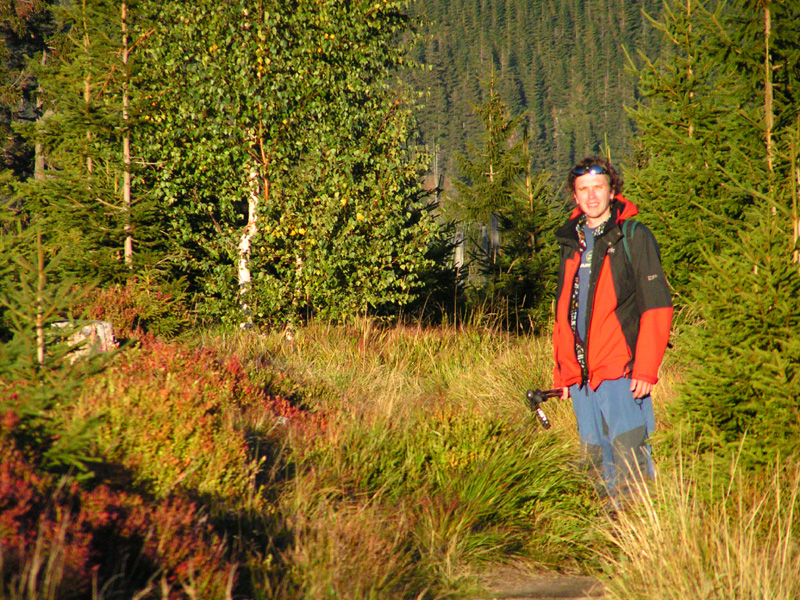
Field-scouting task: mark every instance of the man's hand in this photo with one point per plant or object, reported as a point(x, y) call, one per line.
point(565, 393)
point(640, 388)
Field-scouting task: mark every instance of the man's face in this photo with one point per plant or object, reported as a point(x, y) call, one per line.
point(593, 194)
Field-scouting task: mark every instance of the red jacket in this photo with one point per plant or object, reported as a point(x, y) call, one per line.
point(629, 308)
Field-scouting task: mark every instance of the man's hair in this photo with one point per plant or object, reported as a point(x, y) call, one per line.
point(614, 178)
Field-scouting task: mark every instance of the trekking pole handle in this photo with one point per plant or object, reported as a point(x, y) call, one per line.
point(536, 398)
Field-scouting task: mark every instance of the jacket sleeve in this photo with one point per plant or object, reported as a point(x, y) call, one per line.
point(558, 380)
point(655, 305)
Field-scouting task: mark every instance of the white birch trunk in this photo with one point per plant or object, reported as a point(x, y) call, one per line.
point(244, 250)
point(126, 143)
point(40, 285)
point(87, 93)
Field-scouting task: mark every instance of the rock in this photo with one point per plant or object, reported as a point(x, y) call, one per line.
point(93, 337)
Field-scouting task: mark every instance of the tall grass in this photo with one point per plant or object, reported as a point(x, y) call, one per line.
point(701, 530)
point(429, 457)
point(365, 461)
point(370, 368)
point(696, 534)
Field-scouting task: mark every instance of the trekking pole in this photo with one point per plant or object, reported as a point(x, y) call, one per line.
point(535, 400)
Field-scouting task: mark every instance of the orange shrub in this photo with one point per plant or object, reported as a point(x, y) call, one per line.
point(178, 417)
point(172, 416)
point(138, 307)
point(72, 537)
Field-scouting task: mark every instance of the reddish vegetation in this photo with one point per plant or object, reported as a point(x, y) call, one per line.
point(101, 534)
point(104, 534)
point(200, 381)
point(134, 308)
point(183, 414)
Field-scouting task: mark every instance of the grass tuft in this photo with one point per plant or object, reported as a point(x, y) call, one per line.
point(694, 534)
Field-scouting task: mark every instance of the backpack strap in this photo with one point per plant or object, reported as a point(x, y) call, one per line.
point(628, 225)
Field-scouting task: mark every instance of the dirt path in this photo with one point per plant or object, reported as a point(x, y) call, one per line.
point(520, 584)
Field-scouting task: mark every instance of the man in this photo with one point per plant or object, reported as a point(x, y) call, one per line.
point(613, 316)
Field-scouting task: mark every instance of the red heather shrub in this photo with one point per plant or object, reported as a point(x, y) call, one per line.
point(137, 307)
point(115, 538)
point(8, 421)
point(179, 417)
point(172, 535)
point(305, 424)
point(23, 497)
point(171, 416)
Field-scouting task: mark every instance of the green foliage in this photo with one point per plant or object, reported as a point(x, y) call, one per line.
point(718, 179)
point(560, 62)
point(704, 115)
point(440, 284)
point(514, 272)
point(25, 28)
point(523, 277)
point(314, 141)
point(488, 172)
point(695, 130)
point(37, 371)
point(742, 393)
point(84, 191)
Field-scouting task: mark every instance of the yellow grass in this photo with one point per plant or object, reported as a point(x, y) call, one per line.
point(696, 534)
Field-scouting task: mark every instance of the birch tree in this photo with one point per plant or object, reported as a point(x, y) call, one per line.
point(285, 160)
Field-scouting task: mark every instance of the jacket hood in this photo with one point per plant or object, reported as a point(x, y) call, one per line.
point(621, 209)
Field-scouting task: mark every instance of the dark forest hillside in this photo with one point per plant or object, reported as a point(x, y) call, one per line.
point(561, 60)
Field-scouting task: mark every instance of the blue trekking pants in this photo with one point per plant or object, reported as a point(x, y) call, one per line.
point(614, 428)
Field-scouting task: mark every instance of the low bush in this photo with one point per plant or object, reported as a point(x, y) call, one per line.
point(58, 540)
point(173, 416)
point(138, 307)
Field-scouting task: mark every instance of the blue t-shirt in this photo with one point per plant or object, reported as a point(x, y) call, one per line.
point(584, 272)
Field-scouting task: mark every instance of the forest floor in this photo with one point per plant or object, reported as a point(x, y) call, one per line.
point(523, 584)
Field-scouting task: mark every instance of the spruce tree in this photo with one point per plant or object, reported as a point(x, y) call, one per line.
point(507, 212)
point(488, 171)
point(692, 121)
point(714, 133)
point(84, 198)
point(743, 379)
point(25, 28)
point(39, 375)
